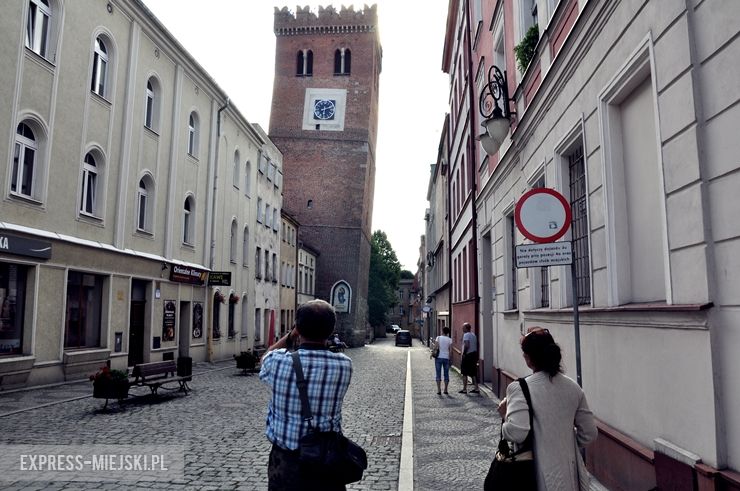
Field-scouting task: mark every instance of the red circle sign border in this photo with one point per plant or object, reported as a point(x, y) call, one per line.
point(535, 238)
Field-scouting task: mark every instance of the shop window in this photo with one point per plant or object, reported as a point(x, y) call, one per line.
point(12, 307)
point(217, 315)
point(83, 312)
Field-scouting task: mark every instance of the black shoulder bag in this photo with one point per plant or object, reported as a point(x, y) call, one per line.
point(326, 455)
point(514, 471)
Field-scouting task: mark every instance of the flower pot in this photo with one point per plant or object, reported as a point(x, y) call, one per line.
point(110, 389)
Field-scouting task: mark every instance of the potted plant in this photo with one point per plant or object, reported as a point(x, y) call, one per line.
point(110, 384)
point(233, 299)
point(219, 297)
point(525, 50)
point(247, 360)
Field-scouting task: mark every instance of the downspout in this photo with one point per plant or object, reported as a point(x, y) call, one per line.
point(473, 165)
point(212, 259)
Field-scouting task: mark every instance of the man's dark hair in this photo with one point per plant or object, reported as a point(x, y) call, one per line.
point(446, 331)
point(315, 320)
point(466, 326)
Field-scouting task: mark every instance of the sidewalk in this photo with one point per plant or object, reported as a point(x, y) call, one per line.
point(19, 400)
point(455, 436)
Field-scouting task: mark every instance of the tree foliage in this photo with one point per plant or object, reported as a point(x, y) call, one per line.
point(385, 271)
point(407, 275)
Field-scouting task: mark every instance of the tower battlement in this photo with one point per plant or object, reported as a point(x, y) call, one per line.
point(327, 21)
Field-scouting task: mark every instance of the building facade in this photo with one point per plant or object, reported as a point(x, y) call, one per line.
point(324, 120)
point(306, 279)
point(288, 271)
point(112, 210)
point(626, 108)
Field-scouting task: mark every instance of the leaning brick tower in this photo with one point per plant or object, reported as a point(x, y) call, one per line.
point(324, 119)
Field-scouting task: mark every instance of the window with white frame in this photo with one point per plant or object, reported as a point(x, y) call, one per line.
point(237, 166)
point(527, 16)
point(144, 199)
point(512, 285)
point(188, 219)
point(88, 193)
point(245, 247)
point(99, 81)
point(275, 220)
point(579, 224)
point(232, 242)
point(261, 162)
point(258, 263)
point(271, 172)
point(247, 178)
point(268, 216)
point(151, 115)
point(25, 162)
point(38, 26)
point(259, 210)
point(193, 134)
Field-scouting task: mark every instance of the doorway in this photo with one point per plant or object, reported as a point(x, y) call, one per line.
point(137, 323)
point(184, 334)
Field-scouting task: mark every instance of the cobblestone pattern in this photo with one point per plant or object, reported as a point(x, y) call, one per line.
point(221, 422)
point(455, 435)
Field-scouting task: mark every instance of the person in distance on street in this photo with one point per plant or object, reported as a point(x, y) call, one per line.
point(328, 375)
point(444, 342)
point(559, 405)
point(469, 364)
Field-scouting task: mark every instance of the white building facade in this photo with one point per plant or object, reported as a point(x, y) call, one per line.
point(117, 196)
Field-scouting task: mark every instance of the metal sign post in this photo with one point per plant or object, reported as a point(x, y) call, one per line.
point(543, 216)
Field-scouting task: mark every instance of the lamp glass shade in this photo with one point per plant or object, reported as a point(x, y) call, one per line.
point(490, 146)
point(497, 128)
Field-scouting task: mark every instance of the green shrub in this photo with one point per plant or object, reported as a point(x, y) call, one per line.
point(525, 50)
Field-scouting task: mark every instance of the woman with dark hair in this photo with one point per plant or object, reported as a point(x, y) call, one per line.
point(562, 420)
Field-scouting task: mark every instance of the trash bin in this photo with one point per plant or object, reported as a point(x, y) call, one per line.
point(185, 366)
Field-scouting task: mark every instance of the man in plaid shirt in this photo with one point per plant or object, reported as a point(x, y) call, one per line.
point(328, 375)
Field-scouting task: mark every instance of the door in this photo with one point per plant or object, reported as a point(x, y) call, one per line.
point(184, 338)
point(136, 333)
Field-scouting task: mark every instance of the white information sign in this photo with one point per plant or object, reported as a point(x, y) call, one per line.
point(550, 254)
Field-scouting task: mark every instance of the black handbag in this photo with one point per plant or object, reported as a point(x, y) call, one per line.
point(326, 455)
point(514, 471)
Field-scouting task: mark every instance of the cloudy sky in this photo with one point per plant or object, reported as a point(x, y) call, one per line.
point(234, 42)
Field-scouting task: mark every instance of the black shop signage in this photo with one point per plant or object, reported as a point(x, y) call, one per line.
point(219, 278)
point(186, 274)
point(10, 244)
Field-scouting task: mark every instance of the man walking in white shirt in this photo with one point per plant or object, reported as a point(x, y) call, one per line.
point(469, 365)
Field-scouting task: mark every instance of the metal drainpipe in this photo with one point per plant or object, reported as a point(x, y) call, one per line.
point(212, 259)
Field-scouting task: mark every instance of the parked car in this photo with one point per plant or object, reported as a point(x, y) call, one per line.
point(392, 329)
point(403, 337)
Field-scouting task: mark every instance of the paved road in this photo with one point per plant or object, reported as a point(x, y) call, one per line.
point(221, 425)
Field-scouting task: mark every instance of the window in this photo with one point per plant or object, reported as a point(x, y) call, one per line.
point(271, 172)
point(274, 268)
point(267, 265)
point(100, 68)
point(89, 185)
point(187, 220)
point(275, 219)
point(245, 317)
point(193, 134)
point(217, 315)
point(12, 307)
point(278, 179)
point(259, 210)
point(268, 216)
point(261, 162)
point(83, 310)
point(144, 198)
point(37, 27)
point(245, 247)
point(304, 63)
point(247, 178)
point(232, 242)
point(235, 177)
point(512, 297)
point(257, 325)
point(258, 263)
point(527, 16)
point(232, 311)
point(151, 116)
point(24, 162)
point(579, 225)
point(342, 61)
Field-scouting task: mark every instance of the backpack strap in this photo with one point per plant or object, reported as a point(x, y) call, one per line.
point(528, 443)
point(302, 389)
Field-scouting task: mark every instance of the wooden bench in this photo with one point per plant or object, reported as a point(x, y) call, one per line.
point(158, 373)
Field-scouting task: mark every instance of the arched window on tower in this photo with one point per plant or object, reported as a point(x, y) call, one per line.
point(304, 63)
point(342, 61)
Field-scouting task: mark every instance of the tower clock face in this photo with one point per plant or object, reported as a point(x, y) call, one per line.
point(324, 109)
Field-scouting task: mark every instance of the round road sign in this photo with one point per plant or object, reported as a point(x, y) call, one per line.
point(542, 215)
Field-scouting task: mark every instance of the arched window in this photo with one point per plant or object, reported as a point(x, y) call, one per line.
point(38, 26)
point(309, 63)
point(193, 134)
point(232, 248)
point(144, 198)
point(247, 178)
point(237, 165)
point(245, 247)
point(304, 63)
point(217, 298)
point(151, 115)
point(98, 83)
point(89, 185)
point(342, 61)
point(188, 218)
point(22, 182)
point(299, 65)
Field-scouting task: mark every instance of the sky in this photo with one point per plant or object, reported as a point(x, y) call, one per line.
point(234, 42)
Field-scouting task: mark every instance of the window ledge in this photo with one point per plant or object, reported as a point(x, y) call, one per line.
point(91, 219)
point(188, 245)
point(26, 199)
point(192, 158)
point(630, 307)
point(100, 98)
point(145, 233)
point(510, 312)
point(151, 131)
point(45, 62)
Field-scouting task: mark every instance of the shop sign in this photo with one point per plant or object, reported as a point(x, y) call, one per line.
point(186, 274)
point(219, 278)
point(20, 246)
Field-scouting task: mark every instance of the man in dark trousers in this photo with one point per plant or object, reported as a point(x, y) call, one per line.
point(469, 365)
point(328, 375)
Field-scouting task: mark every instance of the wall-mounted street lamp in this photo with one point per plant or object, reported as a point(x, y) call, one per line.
point(496, 120)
